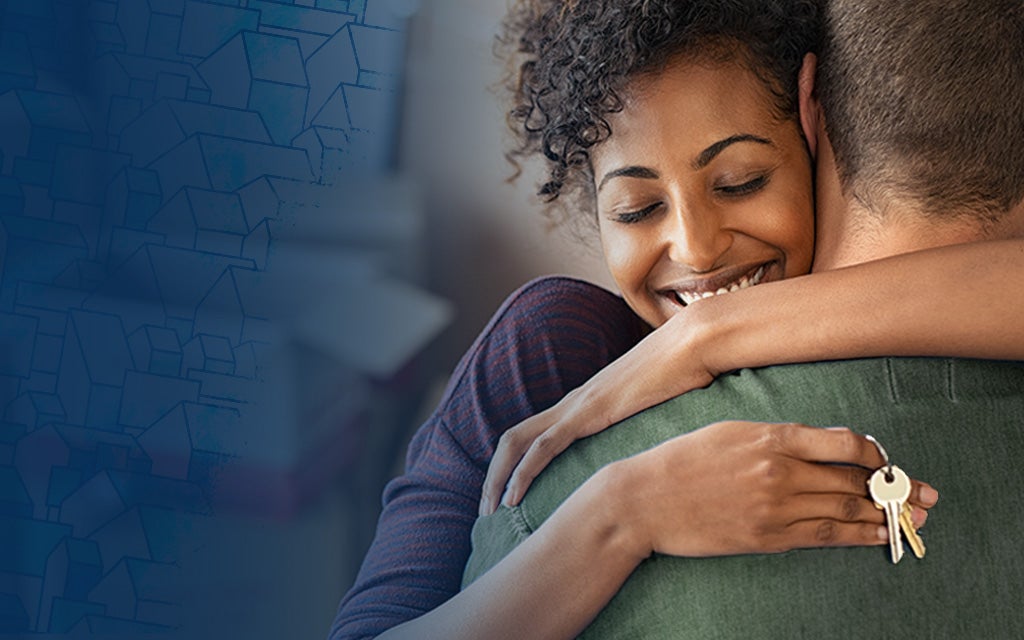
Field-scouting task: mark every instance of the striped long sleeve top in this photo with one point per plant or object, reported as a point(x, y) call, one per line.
point(547, 338)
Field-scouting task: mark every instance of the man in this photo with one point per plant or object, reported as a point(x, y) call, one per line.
point(917, 137)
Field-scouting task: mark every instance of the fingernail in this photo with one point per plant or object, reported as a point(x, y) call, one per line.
point(929, 496)
point(883, 533)
point(508, 499)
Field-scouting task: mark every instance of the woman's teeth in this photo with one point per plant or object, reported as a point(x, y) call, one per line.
point(689, 297)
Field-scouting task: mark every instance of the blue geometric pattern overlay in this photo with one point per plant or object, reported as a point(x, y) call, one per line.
point(167, 170)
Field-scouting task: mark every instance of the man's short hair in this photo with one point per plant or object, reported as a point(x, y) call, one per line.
point(924, 101)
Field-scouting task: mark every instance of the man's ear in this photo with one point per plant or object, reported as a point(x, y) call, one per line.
point(810, 108)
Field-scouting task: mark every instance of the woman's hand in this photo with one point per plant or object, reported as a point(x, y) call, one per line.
point(668, 362)
point(525, 449)
point(744, 487)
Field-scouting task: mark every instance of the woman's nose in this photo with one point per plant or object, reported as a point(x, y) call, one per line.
point(696, 239)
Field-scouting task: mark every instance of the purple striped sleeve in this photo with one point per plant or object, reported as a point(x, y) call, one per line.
point(547, 338)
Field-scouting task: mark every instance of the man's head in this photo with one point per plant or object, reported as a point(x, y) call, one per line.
point(923, 106)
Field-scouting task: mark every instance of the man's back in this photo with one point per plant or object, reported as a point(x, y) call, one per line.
point(955, 422)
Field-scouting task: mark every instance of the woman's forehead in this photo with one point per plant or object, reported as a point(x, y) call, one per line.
point(700, 100)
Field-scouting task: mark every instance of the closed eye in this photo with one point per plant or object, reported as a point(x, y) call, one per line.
point(632, 217)
point(743, 189)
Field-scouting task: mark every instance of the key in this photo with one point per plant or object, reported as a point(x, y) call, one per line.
point(907, 524)
point(890, 488)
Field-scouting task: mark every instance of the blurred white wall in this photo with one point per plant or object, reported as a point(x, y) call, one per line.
point(484, 237)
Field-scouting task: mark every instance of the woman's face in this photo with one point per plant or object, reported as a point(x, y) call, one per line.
point(701, 189)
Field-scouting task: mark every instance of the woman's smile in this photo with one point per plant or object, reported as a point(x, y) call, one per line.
point(734, 279)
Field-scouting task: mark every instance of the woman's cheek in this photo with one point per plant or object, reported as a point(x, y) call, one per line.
point(625, 261)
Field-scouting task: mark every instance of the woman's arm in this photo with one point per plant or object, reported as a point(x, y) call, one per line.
point(548, 337)
point(962, 300)
point(550, 585)
point(700, 494)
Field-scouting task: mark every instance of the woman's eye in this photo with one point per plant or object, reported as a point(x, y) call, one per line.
point(749, 186)
point(631, 217)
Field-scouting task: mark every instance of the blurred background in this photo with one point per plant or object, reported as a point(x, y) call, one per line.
point(242, 244)
point(485, 236)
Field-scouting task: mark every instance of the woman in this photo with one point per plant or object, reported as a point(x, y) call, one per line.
point(548, 574)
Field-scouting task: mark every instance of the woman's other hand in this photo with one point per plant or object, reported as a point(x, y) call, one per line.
point(526, 449)
point(667, 363)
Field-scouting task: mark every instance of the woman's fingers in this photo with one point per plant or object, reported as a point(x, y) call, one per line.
point(526, 449)
point(534, 442)
point(923, 494)
point(918, 516)
point(511, 447)
point(824, 520)
point(840, 445)
point(814, 477)
point(829, 532)
point(832, 533)
point(544, 449)
point(836, 445)
point(840, 507)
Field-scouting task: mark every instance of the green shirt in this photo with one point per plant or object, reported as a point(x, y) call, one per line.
point(954, 423)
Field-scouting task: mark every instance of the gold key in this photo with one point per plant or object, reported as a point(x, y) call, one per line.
point(907, 524)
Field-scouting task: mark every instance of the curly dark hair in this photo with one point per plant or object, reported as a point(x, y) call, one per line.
point(571, 59)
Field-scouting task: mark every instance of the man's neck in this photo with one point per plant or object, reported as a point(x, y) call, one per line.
point(849, 233)
point(877, 236)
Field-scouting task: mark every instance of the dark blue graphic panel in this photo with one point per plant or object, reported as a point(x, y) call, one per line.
point(204, 248)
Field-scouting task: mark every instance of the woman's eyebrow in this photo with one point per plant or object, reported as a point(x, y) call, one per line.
point(702, 160)
point(709, 154)
point(629, 172)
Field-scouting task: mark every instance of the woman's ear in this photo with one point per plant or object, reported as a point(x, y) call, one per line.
point(810, 108)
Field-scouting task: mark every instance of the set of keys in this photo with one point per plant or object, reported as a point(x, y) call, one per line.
point(889, 487)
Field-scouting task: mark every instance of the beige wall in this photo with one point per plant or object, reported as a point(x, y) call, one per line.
point(484, 237)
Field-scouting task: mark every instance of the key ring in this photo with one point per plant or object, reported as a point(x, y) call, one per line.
point(884, 454)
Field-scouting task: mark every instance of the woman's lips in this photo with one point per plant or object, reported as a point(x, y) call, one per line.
point(713, 287)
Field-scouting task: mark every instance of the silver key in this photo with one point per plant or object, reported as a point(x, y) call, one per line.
point(890, 489)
